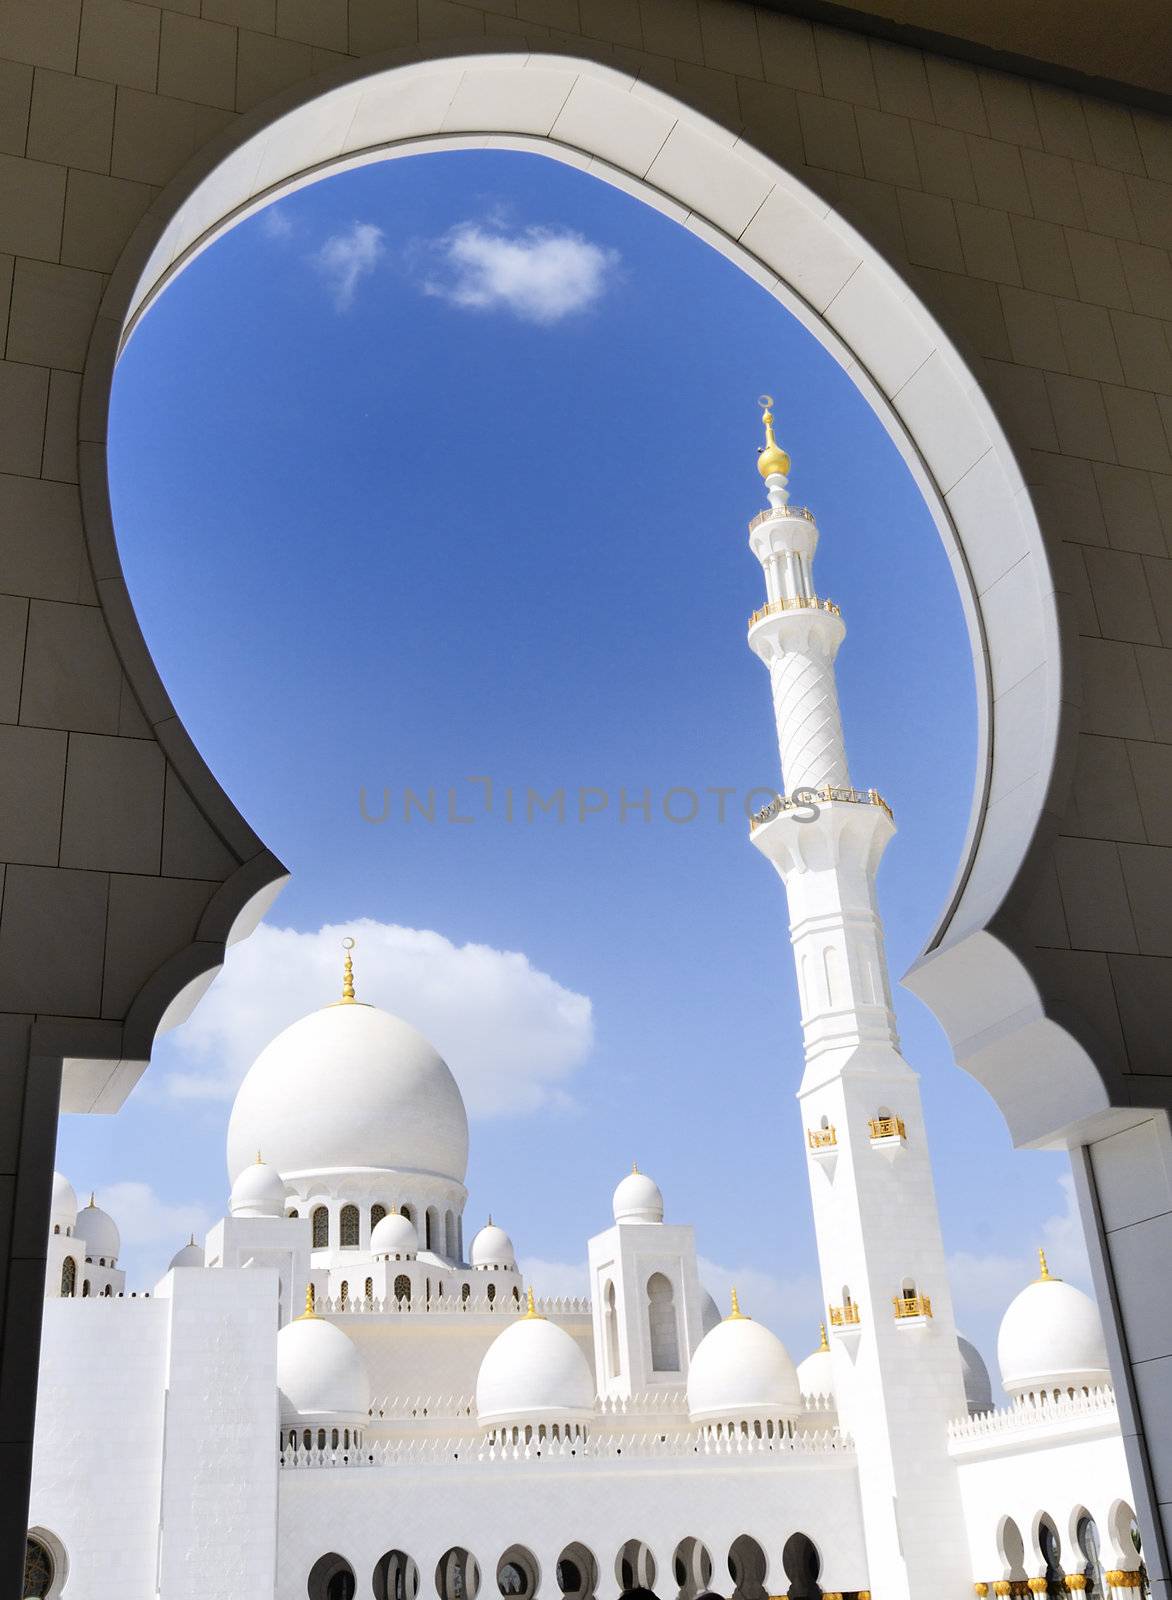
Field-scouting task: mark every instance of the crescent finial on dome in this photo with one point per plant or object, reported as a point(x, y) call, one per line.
point(309, 1311)
point(772, 459)
point(736, 1314)
point(531, 1312)
point(823, 1342)
point(348, 973)
point(1045, 1276)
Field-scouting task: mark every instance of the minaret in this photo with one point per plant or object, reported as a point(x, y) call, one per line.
point(897, 1368)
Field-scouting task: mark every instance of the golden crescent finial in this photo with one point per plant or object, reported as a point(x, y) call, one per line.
point(309, 1304)
point(634, 1166)
point(348, 973)
point(772, 459)
point(736, 1314)
point(1045, 1274)
point(531, 1311)
point(823, 1344)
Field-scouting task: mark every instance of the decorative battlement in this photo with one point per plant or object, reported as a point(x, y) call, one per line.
point(394, 1408)
point(652, 1446)
point(846, 1316)
point(793, 603)
point(450, 1304)
point(907, 1306)
point(775, 514)
point(887, 1128)
point(821, 1138)
point(1094, 1406)
point(805, 798)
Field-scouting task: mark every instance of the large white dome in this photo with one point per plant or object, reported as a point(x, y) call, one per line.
point(349, 1087)
point(742, 1370)
point(63, 1206)
point(534, 1372)
point(1051, 1339)
point(320, 1374)
point(100, 1232)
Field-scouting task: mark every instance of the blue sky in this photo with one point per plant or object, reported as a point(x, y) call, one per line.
point(441, 469)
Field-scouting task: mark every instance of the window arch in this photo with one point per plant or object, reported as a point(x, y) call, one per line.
point(1050, 1550)
point(396, 1577)
point(85, 1289)
point(691, 1568)
point(746, 1568)
point(344, 1295)
point(403, 1288)
point(661, 1322)
point(490, 1292)
point(516, 1573)
point(348, 1228)
point(69, 1276)
point(1086, 1537)
point(432, 1229)
point(457, 1575)
point(450, 1246)
point(368, 1292)
point(614, 1364)
point(377, 1213)
point(576, 1572)
point(634, 1566)
point(802, 1565)
point(331, 1578)
point(40, 1570)
point(321, 1227)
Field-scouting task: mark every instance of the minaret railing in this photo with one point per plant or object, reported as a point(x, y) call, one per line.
point(808, 797)
point(793, 603)
point(770, 513)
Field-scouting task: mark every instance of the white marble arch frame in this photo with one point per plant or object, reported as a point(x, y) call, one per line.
point(838, 285)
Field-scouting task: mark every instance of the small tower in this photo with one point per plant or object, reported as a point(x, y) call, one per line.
point(896, 1364)
point(646, 1298)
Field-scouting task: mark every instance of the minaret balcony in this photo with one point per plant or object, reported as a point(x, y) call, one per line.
point(774, 608)
point(776, 514)
point(808, 797)
point(845, 1316)
point(821, 1138)
point(887, 1128)
point(912, 1310)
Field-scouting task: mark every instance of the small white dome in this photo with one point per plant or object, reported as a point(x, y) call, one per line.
point(637, 1199)
point(978, 1391)
point(100, 1232)
point(394, 1235)
point(63, 1207)
point(259, 1191)
point(742, 1370)
point(492, 1247)
point(816, 1375)
point(350, 1087)
point(320, 1374)
point(1051, 1338)
point(190, 1256)
point(534, 1372)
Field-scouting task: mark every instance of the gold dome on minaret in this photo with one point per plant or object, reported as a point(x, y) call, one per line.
point(772, 458)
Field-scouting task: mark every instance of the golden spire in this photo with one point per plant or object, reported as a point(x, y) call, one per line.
point(823, 1345)
point(190, 1240)
point(259, 1162)
point(1045, 1276)
point(490, 1219)
point(347, 974)
point(736, 1314)
point(309, 1311)
point(91, 1197)
point(634, 1167)
point(531, 1312)
point(772, 458)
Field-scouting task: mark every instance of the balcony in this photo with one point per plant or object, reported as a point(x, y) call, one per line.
point(794, 603)
point(805, 798)
point(911, 1307)
point(821, 1138)
point(769, 514)
point(845, 1316)
point(887, 1128)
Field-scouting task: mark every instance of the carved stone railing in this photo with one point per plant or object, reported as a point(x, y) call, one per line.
point(804, 798)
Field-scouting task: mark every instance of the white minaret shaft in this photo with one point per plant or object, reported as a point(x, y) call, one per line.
point(897, 1368)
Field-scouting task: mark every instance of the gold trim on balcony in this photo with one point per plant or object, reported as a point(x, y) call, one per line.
point(887, 1128)
point(816, 797)
point(770, 514)
point(911, 1305)
point(821, 1138)
point(793, 603)
point(846, 1316)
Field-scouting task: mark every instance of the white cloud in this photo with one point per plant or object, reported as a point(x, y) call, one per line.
point(346, 258)
point(151, 1229)
point(539, 274)
point(275, 223)
point(511, 1034)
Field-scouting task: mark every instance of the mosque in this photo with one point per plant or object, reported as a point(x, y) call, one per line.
point(334, 1394)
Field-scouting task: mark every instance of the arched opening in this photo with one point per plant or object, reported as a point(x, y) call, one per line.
point(452, 1248)
point(331, 1578)
point(368, 1292)
point(69, 1276)
point(747, 1568)
point(396, 1577)
point(517, 1573)
point(45, 1565)
point(344, 1295)
point(611, 1325)
point(691, 1568)
point(85, 1289)
point(661, 1324)
point(1086, 1539)
point(403, 1289)
point(802, 1564)
point(320, 1222)
point(348, 1228)
point(457, 1575)
point(1011, 1549)
point(577, 1572)
point(1050, 1555)
point(377, 1213)
point(634, 1567)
